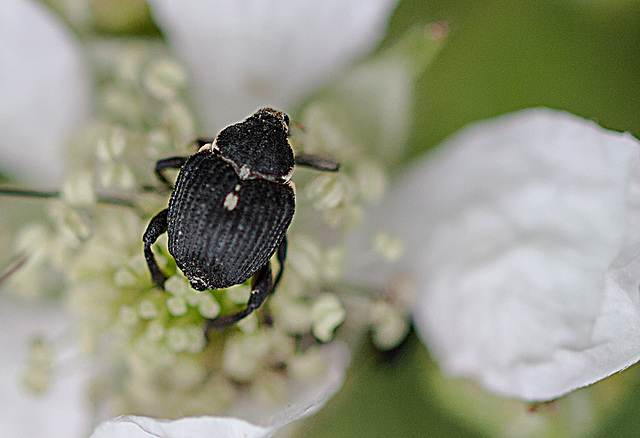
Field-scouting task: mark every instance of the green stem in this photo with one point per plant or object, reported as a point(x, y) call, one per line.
point(26, 193)
point(13, 267)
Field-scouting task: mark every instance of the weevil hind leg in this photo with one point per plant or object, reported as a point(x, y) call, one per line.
point(168, 163)
point(317, 162)
point(261, 287)
point(155, 229)
point(282, 256)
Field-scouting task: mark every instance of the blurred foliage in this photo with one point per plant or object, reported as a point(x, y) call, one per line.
point(131, 18)
point(390, 396)
point(124, 17)
point(384, 395)
point(577, 55)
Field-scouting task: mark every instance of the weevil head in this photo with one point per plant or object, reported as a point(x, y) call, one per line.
point(258, 147)
point(270, 115)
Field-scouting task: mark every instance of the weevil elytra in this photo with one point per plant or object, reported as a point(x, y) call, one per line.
point(230, 209)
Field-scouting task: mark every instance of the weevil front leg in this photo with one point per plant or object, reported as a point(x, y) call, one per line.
point(168, 163)
point(261, 287)
point(317, 162)
point(177, 162)
point(156, 228)
point(201, 141)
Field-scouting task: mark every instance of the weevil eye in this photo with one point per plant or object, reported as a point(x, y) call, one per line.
point(270, 112)
point(286, 122)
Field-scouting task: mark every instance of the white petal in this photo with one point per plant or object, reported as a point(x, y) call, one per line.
point(190, 427)
point(305, 400)
point(44, 88)
point(246, 54)
point(60, 413)
point(523, 239)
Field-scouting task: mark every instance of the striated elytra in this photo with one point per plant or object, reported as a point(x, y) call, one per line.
point(230, 209)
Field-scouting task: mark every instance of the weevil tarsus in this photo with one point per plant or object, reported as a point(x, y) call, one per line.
point(261, 286)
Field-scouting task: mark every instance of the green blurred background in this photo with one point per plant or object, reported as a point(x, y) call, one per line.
point(582, 56)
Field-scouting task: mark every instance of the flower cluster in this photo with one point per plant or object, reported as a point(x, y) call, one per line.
point(157, 336)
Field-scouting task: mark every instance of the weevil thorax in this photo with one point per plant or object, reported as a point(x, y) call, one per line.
point(258, 147)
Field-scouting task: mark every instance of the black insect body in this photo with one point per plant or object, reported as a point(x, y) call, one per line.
point(231, 207)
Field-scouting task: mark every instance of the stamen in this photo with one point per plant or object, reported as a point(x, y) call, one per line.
point(390, 325)
point(177, 306)
point(389, 247)
point(147, 310)
point(37, 377)
point(327, 313)
point(208, 306)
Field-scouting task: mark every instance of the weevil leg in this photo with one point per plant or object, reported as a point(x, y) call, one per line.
point(157, 226)
point(261, 287)
point(168, 163)
point(201, 141)
point(317, 162)
point(282, 256)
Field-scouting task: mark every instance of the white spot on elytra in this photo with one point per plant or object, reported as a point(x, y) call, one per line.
point(206, 147)
point(230, 201)
point(244, 172)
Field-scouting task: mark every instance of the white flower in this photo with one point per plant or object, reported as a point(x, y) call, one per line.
point(523, 243)
point(312, 377)
point(45, 90)
point(307, 399)
point(244, 55)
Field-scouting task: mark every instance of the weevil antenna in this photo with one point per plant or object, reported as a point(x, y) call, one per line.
point(298, 125)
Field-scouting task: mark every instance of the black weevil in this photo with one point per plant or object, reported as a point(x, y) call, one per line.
point(231, 207)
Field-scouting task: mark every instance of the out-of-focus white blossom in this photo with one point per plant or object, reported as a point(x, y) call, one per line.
point(45, 89)
point(523, 244)
point(246, 55)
